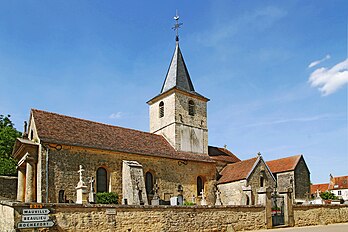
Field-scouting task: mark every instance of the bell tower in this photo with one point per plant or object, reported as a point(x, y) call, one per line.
point(179, 113)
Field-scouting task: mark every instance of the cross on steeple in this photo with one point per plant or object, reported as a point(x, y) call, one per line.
point(177, 25)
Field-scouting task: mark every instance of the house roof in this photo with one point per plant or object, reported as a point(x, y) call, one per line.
point(284, 164)
point(222, 154)
point(61, 129)
point(321, 187)
point(339, 182)
point(237, 171)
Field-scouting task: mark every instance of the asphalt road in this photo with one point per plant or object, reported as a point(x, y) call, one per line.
point(341, 227)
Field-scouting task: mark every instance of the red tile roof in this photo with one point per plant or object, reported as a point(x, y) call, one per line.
point(339, 182)
point(61, 129)
point(237, 171)
point(284, 164)
point(321, 187)
point(222, 154)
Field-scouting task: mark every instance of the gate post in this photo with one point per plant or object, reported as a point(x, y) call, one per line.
point(268, 208)
point(288, 209)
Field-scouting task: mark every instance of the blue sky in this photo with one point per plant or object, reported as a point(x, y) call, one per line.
point(275, 71)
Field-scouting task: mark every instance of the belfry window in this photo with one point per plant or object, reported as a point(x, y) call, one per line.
point(200, 186)
point(102, 180)
point(161, 109)
point(191, 108)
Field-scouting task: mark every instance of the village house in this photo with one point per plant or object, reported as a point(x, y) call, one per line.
point(292, 172)
point(339, 186)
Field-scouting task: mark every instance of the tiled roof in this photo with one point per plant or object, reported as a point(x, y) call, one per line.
point(283, 164)
point(321, 187)
point(237, 171)
point(222, 154)
point(339, 182)
point(61, 129)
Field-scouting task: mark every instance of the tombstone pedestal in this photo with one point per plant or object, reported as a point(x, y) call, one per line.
point(81, 193)
point(21, 184)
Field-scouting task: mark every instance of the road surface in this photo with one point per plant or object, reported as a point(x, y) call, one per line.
point(341, 227)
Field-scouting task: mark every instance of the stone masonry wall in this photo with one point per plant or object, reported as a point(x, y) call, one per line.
point(169, 173)
point(254, 180)
point(149, 218)
point(302, 181)
point(320, 214)
point(8, 187)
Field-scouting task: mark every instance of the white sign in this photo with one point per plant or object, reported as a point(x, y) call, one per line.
point(23, 225)
point(36, 211)
point(34, 218)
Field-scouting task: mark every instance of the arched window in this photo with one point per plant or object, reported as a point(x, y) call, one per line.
point(200, 186)
point(149, 182)
point(102, 180)
point(31, 134)
point(191, 108)
point(247, 200)
point(161, 109)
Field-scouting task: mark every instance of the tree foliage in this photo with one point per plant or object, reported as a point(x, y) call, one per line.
point(328, 196)
point(8, 135)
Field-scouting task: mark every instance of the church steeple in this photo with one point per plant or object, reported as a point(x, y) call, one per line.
point(179, 113)
point(177, 75)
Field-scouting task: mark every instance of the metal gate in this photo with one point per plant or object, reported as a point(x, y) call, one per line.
point(277, 210)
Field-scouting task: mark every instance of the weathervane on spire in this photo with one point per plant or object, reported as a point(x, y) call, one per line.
point(177, 25)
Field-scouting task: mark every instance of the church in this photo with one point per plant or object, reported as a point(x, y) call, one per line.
point(172, 159)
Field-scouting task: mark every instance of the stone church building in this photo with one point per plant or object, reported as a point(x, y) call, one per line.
point(174, 157)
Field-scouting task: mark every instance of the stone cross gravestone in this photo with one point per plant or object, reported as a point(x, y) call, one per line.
point(203, 200)
point(81, 189)
point(133, 183)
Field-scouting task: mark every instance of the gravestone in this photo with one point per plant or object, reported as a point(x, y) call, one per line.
point(155, 200)
point(133, 183)
point(174, 201)
point(218, 199)
point(81, 189)
point(203, 200)
point(91, 196)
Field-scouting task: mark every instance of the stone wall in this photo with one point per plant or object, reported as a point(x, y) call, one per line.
point(147, 218)
point(169, 173)
point(255, 182)
point(302, 180)
point(320, 214)
point(8, 187)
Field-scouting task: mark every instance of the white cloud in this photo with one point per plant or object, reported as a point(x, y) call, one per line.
point(329, 80)
point(116, 115)
point(315, 63)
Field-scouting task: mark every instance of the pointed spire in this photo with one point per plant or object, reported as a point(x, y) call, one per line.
point(177, 75)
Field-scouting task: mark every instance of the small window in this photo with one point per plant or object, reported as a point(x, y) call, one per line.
point(261, 181)
point(102, 182)
point(339, 193)
point(200, 186)
point(191, 108)
point(161, 109)
point(149, 182)
point(31, 134)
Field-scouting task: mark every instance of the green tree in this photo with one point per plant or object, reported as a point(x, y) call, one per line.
point(328, 196)
point(8, 135)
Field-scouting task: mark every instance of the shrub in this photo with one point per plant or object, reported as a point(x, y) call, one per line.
point(189, 203)
point(107, 198)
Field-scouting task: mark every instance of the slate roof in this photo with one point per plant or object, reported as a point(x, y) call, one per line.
point(284, 164)
point(177, 75)
point(237, 171)
point(339, 182)
point(222, 154)
point(321, 187)
point(61, 129)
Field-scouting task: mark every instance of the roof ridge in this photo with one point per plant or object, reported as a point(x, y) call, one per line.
point(90, 121)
